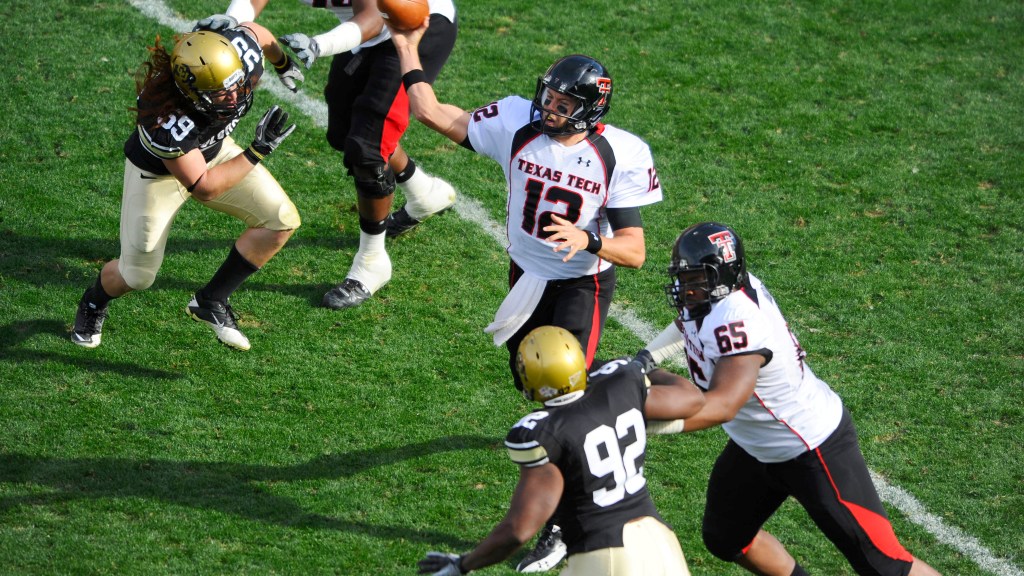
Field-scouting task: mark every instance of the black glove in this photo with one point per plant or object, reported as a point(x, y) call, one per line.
point(304, 47)
point(215, 23)
point(289, 73)
point(644, 359)
point(441, 564)
point(270, 132)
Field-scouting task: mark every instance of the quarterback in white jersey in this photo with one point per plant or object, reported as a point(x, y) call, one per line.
point(574, 189)
point(609, 168)
point(789, 433)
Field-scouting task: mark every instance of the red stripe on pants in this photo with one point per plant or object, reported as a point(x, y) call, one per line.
point(877, 527)
point(395, 124)
point(595, 325)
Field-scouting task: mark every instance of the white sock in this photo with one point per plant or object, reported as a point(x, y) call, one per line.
point(426, 195)
point(371, 265)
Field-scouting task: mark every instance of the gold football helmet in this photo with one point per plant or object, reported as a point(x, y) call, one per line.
point(208, 72)
point(550, 364)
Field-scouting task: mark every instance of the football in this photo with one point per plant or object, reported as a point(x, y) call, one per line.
point(404, 14)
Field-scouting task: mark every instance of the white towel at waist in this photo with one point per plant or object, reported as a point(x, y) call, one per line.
point(516, 308)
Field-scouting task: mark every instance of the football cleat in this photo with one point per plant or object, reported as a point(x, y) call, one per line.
point(221, 318)
point(348, 294)
point(88, 330)
point(399, 223)
point(419, 207)
point(547, 553)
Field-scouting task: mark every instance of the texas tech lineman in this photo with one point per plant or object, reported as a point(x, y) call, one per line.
point(789, 433)
point(583, 454)
point(189, 102)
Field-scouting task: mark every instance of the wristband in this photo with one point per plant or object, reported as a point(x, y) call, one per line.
point(413, 77)
point(283, 63)
point(252, 155)
point(665, 426)
point(594, 242)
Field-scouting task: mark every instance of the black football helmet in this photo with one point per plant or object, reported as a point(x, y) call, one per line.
point(708, 264)
point(582, 78)
point(207, 70)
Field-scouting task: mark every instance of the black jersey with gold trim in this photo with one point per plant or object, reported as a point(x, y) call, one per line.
point(599, 444)
point(186, 130)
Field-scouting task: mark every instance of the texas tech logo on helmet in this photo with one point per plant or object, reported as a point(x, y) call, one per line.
point(604, 88)
point(726, 245)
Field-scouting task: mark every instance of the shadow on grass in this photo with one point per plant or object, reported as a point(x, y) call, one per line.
point(46, 262)
point(225, 487)
point(15, 333)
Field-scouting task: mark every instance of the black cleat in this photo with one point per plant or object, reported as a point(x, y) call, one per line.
point(348, 294)
point(220, 318)
point(88, 330)
point(399, 223)
point(546, 554)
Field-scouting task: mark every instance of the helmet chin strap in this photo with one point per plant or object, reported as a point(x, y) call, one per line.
point(564, 399)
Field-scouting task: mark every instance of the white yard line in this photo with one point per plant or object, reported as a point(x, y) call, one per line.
point(472, 211)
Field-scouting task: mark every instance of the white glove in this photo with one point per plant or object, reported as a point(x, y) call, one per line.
point(215, 23)
point(305, 48)
point(441, 564)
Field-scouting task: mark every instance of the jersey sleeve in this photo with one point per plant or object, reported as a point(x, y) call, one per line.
point(161, 143)
point(635, 182)
point(529, 443)
point(737, 328)
point(492, 127)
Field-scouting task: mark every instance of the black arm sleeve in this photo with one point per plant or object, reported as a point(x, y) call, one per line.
point(621, 218)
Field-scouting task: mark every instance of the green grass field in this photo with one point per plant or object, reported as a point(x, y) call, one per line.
point(870, 153)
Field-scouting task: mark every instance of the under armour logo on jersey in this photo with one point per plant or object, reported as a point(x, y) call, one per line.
point(580, 160)
point(726, 245)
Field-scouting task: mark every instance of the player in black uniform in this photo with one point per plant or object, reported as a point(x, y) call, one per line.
point(367, 114)
point(189, 101)
point(582, 454)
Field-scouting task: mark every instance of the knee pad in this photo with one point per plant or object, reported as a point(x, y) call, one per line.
point(376, 181)
point(137, 277)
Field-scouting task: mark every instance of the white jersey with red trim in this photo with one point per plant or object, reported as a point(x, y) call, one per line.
point(611, 168)
point(343, 10)
point(791, 410)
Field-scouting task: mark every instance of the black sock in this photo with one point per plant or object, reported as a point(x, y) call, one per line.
point(372, 227)
point(404, 175)
point(235, 270)
point(96, 295)
point(798, 570)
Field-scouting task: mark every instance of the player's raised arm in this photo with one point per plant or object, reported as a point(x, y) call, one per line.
point(449, 120)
